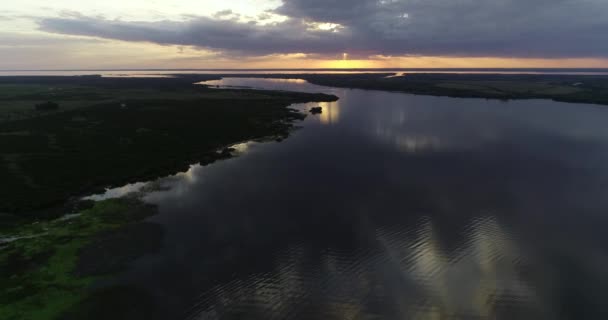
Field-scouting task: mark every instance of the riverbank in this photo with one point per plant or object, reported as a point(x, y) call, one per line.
point(109, 132)
point(102, 132)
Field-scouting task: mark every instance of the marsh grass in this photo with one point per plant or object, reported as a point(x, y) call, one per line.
point(39, 279)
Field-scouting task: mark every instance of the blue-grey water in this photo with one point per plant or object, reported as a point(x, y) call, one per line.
point(392, 206)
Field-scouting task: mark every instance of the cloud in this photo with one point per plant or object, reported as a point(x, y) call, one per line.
point(470, 28)
point(40, 40)
point(508, 28)
point(223, 13)
point(230, 35)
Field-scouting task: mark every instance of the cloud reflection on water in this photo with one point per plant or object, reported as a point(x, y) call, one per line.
point(407, 207)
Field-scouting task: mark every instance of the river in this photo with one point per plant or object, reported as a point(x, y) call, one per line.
point(391, 206)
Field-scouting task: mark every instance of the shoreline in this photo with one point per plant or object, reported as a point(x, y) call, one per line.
point(585, 89)
point(165, 128)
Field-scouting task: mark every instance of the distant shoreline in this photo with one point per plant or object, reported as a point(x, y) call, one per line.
point(396, 71)
point(322, 69)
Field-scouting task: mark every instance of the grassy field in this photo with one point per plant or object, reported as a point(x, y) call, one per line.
point(48, 267)
point(18, 102)
point(105, 135)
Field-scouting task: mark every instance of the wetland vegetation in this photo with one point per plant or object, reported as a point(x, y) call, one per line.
point(64, 136)
point(47, 267)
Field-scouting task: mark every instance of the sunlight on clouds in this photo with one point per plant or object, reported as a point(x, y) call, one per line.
point(312, 61)
point(88, 53)
point(25, 46)
point(286, 56)
point(98, 54)
point(347, 64)
point(486, 62)
point(139, 9)
point(324, 26)
point(143, 55)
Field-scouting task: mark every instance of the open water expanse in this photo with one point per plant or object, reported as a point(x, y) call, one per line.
point(391, 206)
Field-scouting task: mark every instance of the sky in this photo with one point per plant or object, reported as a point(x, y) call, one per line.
point(169, 34)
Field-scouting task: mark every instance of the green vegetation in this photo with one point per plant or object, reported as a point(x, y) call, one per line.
point(20, 95)
point(64, 136)
point(42, 263)
point(113, 131)
point(567, 88)
point(94, 132)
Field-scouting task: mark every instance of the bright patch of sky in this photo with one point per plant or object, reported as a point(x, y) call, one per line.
point(19, 17)
point(325, 26)
point(300, 33)
point(145, 10)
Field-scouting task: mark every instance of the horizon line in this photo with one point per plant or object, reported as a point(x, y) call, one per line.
point(301, 69)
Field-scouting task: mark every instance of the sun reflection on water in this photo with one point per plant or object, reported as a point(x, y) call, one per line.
point(331, 112)
point(178, 182)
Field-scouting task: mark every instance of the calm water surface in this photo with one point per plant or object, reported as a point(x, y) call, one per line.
point(392, 206)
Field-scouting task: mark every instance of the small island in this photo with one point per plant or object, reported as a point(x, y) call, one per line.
point(316, 110)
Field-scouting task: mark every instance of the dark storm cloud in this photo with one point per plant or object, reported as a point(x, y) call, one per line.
point(506, 28)
point(238, 37)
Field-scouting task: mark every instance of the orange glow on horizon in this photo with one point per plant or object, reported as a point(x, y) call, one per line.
point(455, 62)
point(139, 55)
point(346, 64)
point(419, 62)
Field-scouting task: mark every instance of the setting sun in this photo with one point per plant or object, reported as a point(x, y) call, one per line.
point(349, 64)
